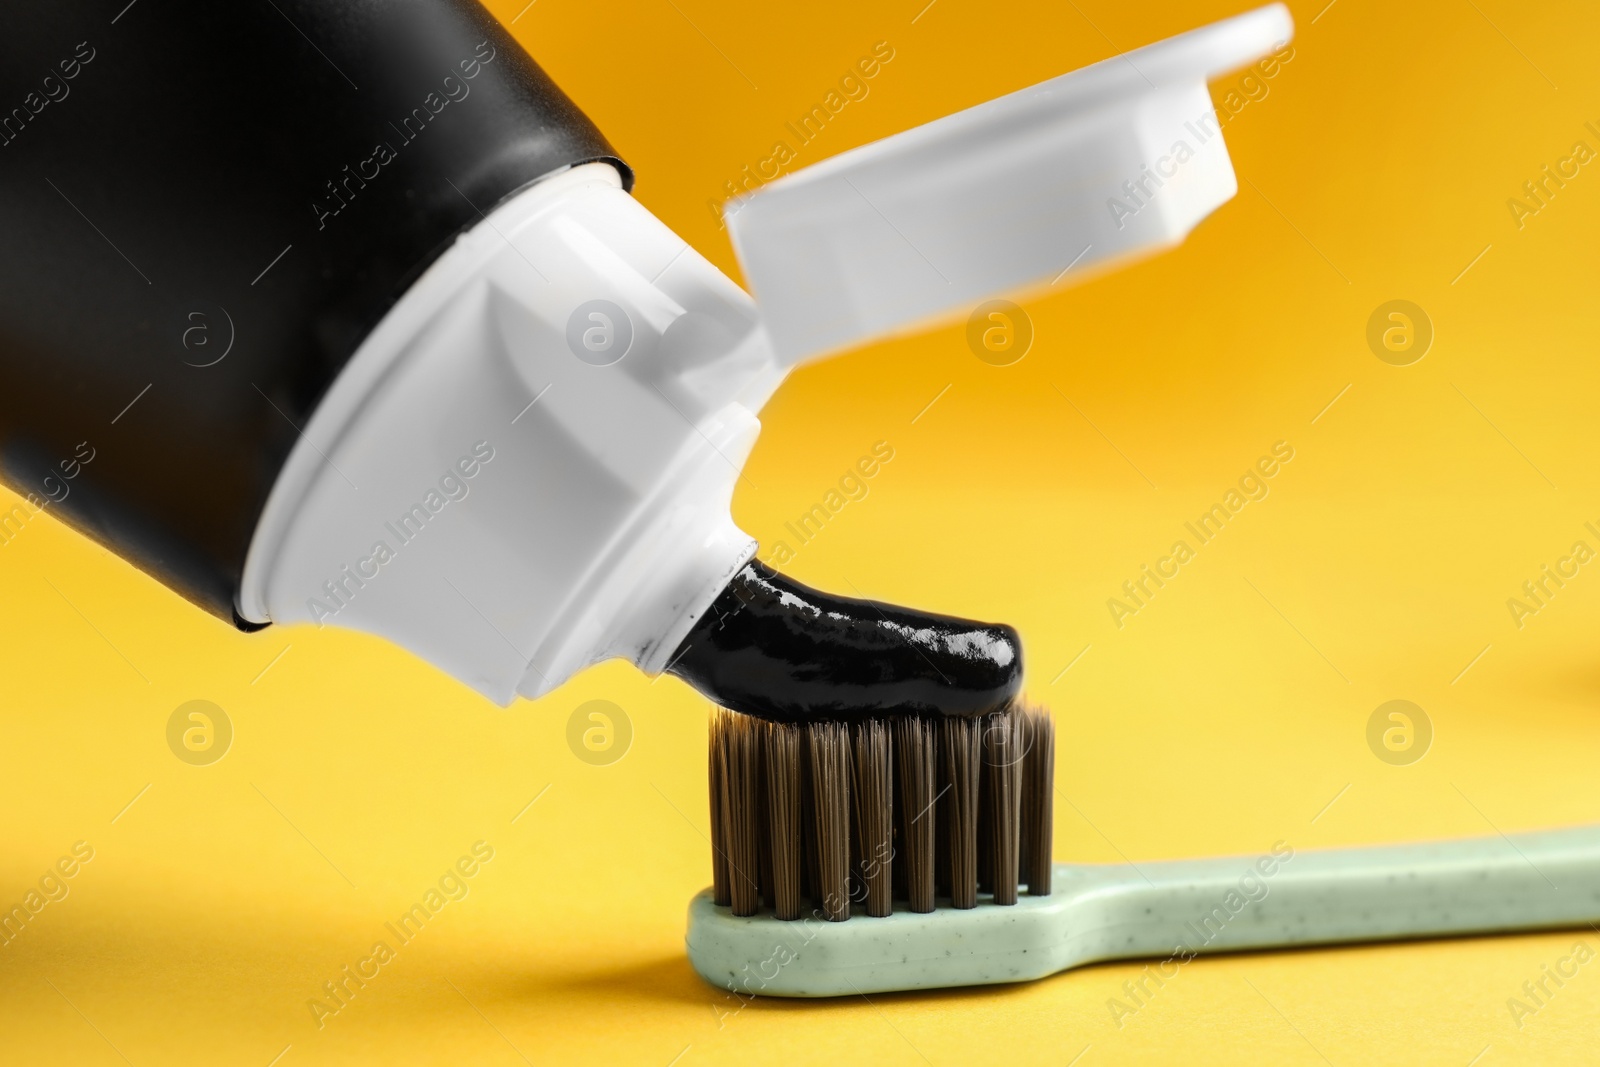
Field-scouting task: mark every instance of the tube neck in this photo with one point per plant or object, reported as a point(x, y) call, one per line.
point(528, 466)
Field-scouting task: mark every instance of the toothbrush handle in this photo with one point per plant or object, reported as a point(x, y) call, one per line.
point(1286, 897)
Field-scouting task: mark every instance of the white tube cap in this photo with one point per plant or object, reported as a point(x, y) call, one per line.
point(1120, 158)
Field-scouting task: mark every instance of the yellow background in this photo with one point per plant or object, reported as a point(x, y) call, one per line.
point(1224, 716)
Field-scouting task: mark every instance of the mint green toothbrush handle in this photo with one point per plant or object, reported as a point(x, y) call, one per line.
point(1167, 911)
point(1286, 897)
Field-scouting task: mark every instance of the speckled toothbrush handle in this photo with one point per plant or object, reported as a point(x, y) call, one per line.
point(1166, 911)
point(1290, 897)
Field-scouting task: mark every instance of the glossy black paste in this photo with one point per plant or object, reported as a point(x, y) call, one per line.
point(774, 648)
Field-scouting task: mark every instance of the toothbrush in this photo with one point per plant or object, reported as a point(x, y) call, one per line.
point(1077, 914)
point(1168, 911)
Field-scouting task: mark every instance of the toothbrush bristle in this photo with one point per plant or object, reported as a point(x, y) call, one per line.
point(783, 812)
point(830, 790)
point(739, 796)
point(1038, 799)
point(962, 767)
point(716, 764)
point(874, 805)
point(904, 809)
point(917, 768)
point(1002, 756)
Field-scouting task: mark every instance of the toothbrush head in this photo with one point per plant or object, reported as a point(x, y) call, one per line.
point(885, 854)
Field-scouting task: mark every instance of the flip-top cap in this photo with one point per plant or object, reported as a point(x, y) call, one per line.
point(1120, 158)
